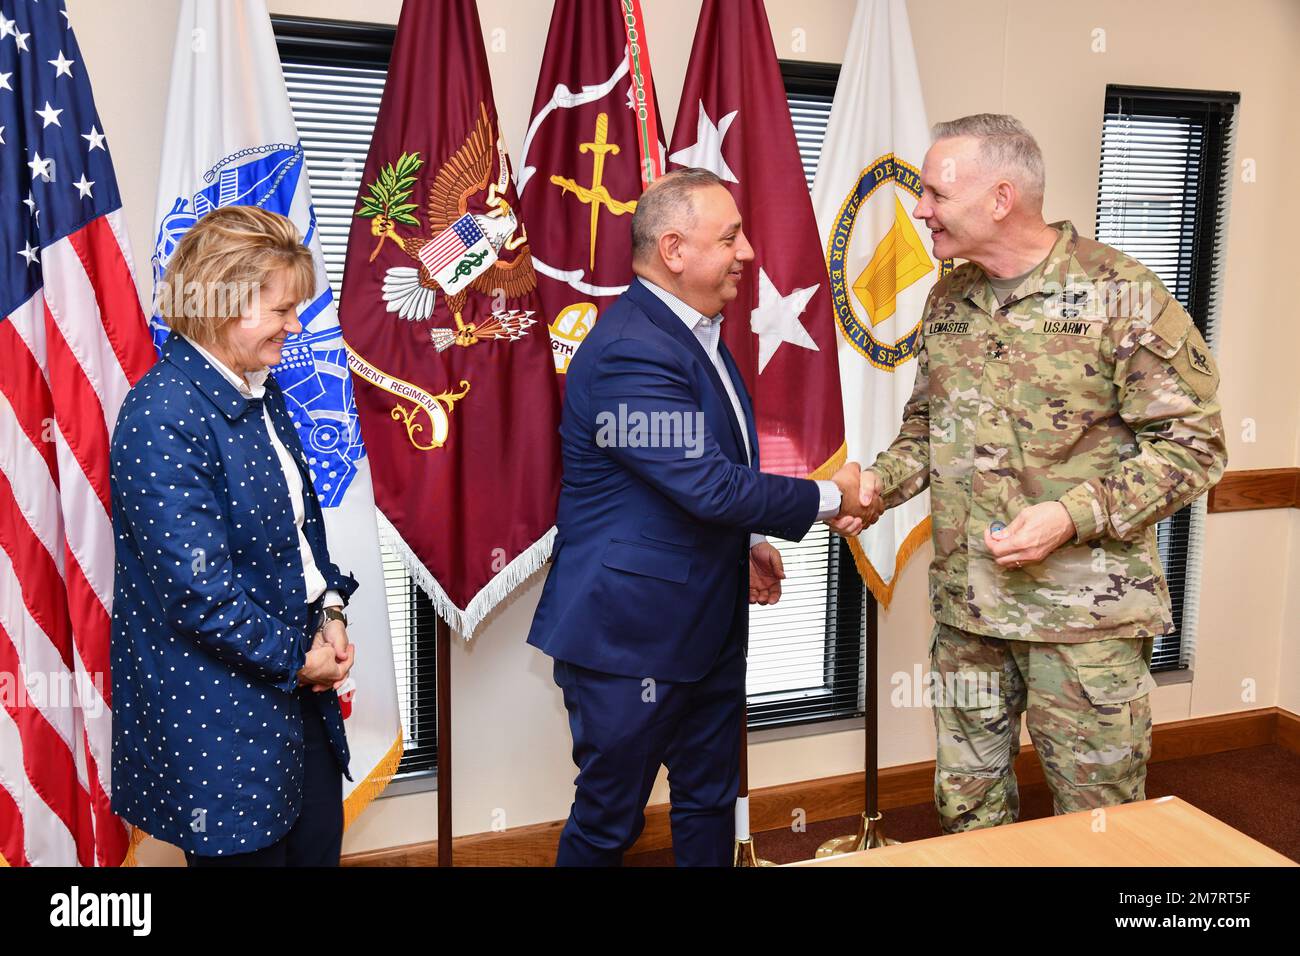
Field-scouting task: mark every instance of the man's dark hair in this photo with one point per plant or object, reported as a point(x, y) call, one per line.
point(665, 206)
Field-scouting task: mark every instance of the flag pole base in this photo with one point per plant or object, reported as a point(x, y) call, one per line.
point(746, 855)
point(870, 836)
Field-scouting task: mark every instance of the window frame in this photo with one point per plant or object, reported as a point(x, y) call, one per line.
point(1180, 534)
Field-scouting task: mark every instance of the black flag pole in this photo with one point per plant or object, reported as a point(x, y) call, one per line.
point(870, 831)
point(443, 638)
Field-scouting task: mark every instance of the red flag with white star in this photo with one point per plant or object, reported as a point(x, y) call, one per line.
point(734, 120)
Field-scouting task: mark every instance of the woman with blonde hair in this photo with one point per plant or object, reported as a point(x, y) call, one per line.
point(229, 638)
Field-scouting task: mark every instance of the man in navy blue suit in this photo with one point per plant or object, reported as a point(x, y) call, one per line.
point(660, 546)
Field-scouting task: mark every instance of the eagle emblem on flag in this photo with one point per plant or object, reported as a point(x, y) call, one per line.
point(461, 251)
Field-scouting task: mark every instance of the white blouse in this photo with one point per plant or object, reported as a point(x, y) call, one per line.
point(254, 386)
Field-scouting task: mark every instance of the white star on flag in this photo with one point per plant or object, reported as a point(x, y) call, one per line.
point(95, 137)
point(40, 167)
point(62, 66)
point(21, 40)
point(49, 114)
point(4, 81)
point(776, 319)
point(707, 151)
point(31, 253)
point(83, 187)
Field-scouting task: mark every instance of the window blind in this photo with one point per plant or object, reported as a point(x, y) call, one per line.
point(1163, 192)
point(805, 652)
point(810, 90)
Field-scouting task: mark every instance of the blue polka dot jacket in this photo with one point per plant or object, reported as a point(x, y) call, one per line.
point(210, 618)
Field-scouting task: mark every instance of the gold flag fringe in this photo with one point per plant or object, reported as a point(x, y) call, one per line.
point(884, 593)
point(138, 836)
point(378, 779)
point(374, 784)
point(833, 464)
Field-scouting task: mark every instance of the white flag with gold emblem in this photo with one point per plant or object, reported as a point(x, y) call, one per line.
point(880, 261)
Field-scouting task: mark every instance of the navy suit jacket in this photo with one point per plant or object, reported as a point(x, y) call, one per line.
point(650, 568)
point(210, 620)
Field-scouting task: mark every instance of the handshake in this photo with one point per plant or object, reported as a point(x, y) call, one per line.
point(861, 501)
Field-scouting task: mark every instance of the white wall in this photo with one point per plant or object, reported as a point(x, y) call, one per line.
point(1033, 59)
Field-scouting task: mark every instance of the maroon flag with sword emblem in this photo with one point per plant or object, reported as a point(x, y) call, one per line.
point(592, 145)
point(449, 352)
point(780, 328)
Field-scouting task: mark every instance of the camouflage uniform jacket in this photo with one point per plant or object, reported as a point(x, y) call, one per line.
point(1090, 386)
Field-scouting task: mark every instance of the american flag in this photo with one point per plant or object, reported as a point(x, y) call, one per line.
point(450, 244)
point(73, 339)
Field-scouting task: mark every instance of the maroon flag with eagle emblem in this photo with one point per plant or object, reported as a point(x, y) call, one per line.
point(592, 145)
point(448, 348)
point(780, 328)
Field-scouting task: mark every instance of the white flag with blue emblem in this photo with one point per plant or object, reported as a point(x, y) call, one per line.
point(881, 264)
point(230, 139)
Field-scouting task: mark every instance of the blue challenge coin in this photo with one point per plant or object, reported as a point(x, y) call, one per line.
point(997, 526)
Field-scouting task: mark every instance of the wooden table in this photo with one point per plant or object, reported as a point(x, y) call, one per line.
point(1163, 832)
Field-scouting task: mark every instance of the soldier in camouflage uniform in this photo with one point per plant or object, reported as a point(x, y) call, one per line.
point(1075, 403)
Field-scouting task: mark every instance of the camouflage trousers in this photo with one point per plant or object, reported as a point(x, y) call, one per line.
point(1088, 714)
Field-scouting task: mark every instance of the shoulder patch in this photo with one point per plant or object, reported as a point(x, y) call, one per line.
point(1200, 360)
point(1175, 338)
point(1173, 323)
point(1196, 366)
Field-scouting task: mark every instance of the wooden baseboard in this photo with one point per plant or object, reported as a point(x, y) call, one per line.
point(1288, 731)
point(830, 798)
point(1254, 490)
